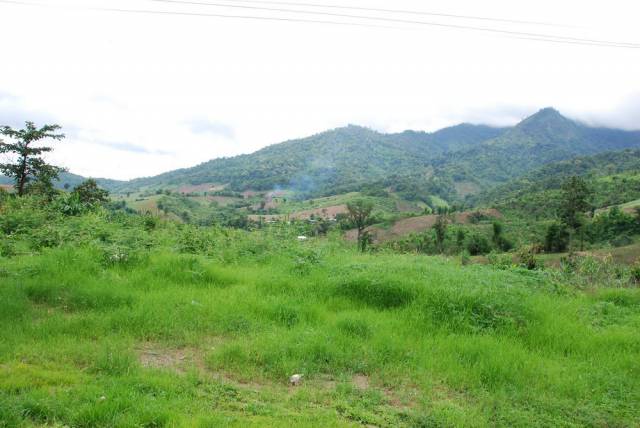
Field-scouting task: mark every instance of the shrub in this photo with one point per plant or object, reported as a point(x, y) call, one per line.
point(527, 257)
point(68, 204)
point(622, 240)
point(7, 248)
point(150, 222)
point(501, 261)
point(477, 244)
point(634, 272)
point(465, 258)
point(305, 260)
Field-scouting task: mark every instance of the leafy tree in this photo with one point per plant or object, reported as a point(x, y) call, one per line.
point(29, 165)
point(556, 239)
point(574, 203)
point(440, 229)
point(89, 193)
point(460, 237)
point(498, 238)
point(359, 213)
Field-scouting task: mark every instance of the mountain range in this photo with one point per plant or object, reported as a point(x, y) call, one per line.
point(451, 162)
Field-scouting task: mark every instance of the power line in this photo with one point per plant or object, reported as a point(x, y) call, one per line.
point(213, 15)
point(404, 21)
point(511, 34)
point(403, 11)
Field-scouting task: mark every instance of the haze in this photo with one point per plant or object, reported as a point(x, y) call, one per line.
point(139, 93)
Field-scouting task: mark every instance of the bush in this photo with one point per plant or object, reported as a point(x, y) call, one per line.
point(622, 240)
point(634, 272)
point(501, 261)
point(527, 257)
point(477, 244)
point(465, 258)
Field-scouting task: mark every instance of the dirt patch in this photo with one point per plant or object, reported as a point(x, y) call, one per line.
point(327, 213)
point(417, 224)
point(178, 360)
point(267, 218)
point(360, 381)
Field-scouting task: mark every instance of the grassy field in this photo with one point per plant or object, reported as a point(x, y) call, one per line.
point(99, 333)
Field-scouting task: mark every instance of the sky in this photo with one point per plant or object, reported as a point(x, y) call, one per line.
point(140, 93)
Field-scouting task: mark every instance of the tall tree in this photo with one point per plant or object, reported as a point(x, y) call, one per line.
point(359, 213)
point(440, 228)
point(29, 164)
point(574, 204)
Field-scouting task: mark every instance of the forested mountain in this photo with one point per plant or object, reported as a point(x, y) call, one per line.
point(469, 157)
point(348, 158)
point(339, 160)
point(613, 177)
point(543, 138)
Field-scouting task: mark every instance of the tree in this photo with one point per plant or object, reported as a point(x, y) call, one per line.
point(498, 238)
point(556, 239)
point(29, 165)
point(359, 212)
point(440, 228)
point(574, 203)
point(89, 193)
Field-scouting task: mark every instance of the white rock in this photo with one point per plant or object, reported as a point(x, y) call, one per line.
point(302, 238)
point(295, 379)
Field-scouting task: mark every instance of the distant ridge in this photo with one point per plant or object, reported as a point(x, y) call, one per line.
point(352, 157)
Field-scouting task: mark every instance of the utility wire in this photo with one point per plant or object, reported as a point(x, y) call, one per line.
point(512, 34)
point(214, 15)
point(403, 11)
point(402, 21)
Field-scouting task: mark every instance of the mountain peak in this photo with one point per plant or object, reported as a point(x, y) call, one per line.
point(548, 119)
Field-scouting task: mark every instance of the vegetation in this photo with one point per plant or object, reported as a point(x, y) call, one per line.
point(115, 319)
point(359, 213)
point(192, 305)
point(28, 167)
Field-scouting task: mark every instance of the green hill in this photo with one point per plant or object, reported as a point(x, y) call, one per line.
point(613, 176)
point(331, 162)
point(346, 159)
point(543, 138)
point(452, 163)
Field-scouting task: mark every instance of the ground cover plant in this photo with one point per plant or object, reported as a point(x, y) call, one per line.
point(115, 319)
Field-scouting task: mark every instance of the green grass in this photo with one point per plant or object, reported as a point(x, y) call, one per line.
point(438, 344)
point(115, 320)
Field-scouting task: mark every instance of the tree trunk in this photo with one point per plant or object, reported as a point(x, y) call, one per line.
point(22, 176)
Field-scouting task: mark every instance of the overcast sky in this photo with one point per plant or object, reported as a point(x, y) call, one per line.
point(141, 93)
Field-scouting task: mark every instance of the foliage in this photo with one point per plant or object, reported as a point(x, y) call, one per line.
point(359, 213)
point(89, 193)
point(575, 202)
point(112, 322)
point(527, 256)
point(477, 244)
point(29, 165)
point(556, 238)
point(440, 230)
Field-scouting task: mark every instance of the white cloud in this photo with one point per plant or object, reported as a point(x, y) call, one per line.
point(201, 87)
